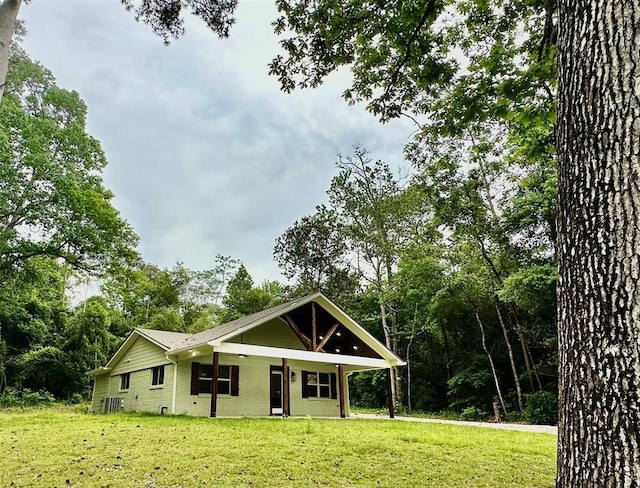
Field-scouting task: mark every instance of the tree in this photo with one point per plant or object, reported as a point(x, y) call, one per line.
point(314, 251)
point(419, 278)
point(142, 291)
point(165, 17)
point(398, 55)
point(243, 298)
point(598, 141)
point(198, 288)
point(52, 199)
point(379, 216)
point(33, 315)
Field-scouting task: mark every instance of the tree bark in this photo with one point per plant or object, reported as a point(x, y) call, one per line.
point(388, 342)
point(8, 14)
point(512, 361)
point(494, 373)
point(598, 142)
point(393, 316)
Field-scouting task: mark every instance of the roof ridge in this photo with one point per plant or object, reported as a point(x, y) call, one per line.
point(234, 325)
point(266, 311)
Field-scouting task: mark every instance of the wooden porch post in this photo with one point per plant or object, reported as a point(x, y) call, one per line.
point(285, 388)
point(341, 391)
point(313, 326)
point(389, 395)
point(214, 385)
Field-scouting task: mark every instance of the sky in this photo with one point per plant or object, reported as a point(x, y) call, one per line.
point(206, 155)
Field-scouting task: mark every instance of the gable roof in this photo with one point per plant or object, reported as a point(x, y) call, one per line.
point(175, 342)
point(230, 329)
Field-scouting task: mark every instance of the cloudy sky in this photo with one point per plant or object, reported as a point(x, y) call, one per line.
point(206, 155)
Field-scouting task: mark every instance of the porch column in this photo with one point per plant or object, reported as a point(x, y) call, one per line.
point(286, 406)
point(389, 395)
point(214, 385)
point(174, 392)
point(341, 391)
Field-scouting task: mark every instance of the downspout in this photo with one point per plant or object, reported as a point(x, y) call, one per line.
point(175, 383)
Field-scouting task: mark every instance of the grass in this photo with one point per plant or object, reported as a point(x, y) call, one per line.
point(62, 447)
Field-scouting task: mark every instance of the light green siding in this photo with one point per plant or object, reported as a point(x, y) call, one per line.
point(274, 333)
point(142, 354)
point(138, 361)
point(253, 388)
point(316, 407)
point(141, 396)
point(100, 391)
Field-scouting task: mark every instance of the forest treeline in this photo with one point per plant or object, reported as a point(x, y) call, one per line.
point(451, 265)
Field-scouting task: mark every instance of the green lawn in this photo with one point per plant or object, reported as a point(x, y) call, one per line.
point(62, 448)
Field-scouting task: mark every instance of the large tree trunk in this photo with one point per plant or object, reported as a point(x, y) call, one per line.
point(598, 141)
point(8, 14)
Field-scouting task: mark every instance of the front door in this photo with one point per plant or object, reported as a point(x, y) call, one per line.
point(276, 392)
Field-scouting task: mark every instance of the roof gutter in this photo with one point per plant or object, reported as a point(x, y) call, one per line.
point(97, 371)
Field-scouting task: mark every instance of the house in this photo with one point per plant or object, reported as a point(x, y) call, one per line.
point(291, 359)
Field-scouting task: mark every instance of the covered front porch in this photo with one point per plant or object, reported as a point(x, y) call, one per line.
point(311, 370)
point(292, 360)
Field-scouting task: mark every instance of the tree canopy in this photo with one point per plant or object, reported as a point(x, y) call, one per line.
point(52, 199)
point(166, 19)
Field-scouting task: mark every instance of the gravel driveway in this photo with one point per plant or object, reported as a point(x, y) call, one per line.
point(541, 429)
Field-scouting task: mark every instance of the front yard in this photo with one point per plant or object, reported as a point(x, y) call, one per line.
point(58, 447)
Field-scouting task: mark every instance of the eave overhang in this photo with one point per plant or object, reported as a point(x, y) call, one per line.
point(301, 355)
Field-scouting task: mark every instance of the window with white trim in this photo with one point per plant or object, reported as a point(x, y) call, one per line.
point(227, 381)
point(157, 376)
point(318, 385)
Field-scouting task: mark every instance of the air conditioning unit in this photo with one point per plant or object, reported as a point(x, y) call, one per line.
point(113, 404)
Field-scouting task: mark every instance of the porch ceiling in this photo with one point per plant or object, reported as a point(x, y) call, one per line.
point(341, 341)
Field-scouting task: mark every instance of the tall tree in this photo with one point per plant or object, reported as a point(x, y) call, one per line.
point(165, 17)
point(314, 252)
point(52, 198)
point(599, 243)
point(380, 215)
point(33, 315)
point(8, 14)
point(243, 298)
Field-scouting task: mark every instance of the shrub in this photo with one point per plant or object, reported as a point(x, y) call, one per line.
point(541, 408)
point(468, 388)
point(12, 397)
point(474, 414)
point(76, 399)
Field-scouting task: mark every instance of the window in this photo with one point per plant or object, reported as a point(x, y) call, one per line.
point(124, 381)
point(157, 376)
point(224, 380)
point(206, 378)
point(202, 379)
point(318, 385)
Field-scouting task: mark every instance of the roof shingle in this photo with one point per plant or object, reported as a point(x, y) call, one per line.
point(179, 340)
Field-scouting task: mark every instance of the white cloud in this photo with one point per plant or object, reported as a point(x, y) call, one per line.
point(206, 155)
